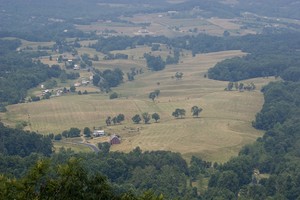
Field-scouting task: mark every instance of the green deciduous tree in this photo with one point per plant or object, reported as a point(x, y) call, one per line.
point(152, 96)
point(120, 118)
point(113, 95)
point(87, 132)
point(146, 117)
point(58, 137)
point(179, 113)
point(104, 147)
point(154, 63)
point(178, 75)
point(136, 118)
point(155, 116)
point(196, 111)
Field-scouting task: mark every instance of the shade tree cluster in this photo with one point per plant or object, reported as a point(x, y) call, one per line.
point(240, 86)
point(133, 72)
point(180, 112)
point(173, 59)
point(107, 79)
point(71, 133)
point(146, 117)
point(155, 63)
point(115, 120)
point(23, 143)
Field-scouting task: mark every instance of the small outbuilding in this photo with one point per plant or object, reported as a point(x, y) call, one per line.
point(98, 133)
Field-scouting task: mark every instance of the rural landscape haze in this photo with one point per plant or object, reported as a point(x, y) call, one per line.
point(168, 99)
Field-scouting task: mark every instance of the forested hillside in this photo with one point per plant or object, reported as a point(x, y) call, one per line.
point(269, 55)
point(269, 168)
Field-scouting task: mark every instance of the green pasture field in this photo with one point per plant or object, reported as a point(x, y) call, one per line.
point(35, 45)
point(74, 147)
point(223, 127)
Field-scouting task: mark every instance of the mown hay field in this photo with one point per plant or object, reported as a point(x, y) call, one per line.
point(223, 127)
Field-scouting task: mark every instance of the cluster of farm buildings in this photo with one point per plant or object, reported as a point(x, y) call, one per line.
point(114, 139)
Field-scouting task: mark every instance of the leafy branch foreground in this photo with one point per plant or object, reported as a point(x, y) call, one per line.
point(68, 181)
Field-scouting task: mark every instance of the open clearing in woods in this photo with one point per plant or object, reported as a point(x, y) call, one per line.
point(222, 129)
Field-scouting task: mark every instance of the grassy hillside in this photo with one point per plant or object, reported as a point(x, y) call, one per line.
point(222, 129)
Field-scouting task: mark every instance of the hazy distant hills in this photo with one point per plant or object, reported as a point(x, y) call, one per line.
point(278, 8)
point(94, 8)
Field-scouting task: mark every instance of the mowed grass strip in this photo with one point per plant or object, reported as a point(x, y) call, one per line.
point(74, 147)
point(223, 127)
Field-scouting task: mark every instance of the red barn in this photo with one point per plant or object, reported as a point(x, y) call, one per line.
point(115, 139)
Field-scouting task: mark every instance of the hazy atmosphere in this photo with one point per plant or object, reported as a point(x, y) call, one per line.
point(161, 99)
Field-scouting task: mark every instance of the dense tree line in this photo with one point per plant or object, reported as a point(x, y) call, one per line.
point(66, 181)
point(23, 143)
point(105, 45)
point(270, 55)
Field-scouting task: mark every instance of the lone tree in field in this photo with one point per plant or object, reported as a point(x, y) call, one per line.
point(155, 116)
point(146, 117)
point(179, 113)
point(196, 111)
point(152, 96)
point(136, 118)
point(120, 118)
point(178, 75)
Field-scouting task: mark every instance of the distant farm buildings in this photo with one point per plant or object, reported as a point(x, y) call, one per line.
point(113, 139)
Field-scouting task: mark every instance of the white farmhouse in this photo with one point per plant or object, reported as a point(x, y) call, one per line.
point(98, 133)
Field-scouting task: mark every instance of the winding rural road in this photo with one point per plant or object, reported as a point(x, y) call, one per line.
point(91, 146)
